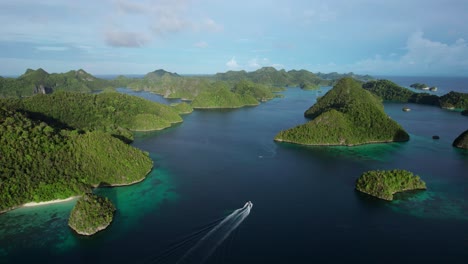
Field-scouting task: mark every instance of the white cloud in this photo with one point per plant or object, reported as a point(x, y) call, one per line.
point(52, 48)
point(423, 56)
point(201, 44)
point(232, 64)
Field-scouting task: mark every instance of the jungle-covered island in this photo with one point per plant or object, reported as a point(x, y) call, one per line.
point(346, 115)
point(43, 162)
point(91, 214)
point(384, 184)
point(391, 92)
point(461, 141)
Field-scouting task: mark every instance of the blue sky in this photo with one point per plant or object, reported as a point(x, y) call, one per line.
point(398, 37)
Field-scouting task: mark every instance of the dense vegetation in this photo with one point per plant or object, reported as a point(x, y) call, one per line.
point(220, 96)
point(454, 100)
point(294, 78)
point(91, 214)
point(182, 108)
point(110, 112)
point(383, 184)
point(39, 81)
point(390, 91)
point(345, 115)
point(461, 141)
point(39, 162)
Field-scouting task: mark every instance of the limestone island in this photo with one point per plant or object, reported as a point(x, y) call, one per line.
point(424, 87)
point(346, 115)
point(91, 214)
point(384, 184)
point(461, 141)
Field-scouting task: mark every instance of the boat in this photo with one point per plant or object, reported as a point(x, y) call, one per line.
point(406, 109)
point(248, 204)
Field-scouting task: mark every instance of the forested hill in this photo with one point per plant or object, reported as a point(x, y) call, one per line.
point(345, 115)
point(282, 78)
point(109, 112)
point(41, 82)
point(40, 162)
point(390, 91)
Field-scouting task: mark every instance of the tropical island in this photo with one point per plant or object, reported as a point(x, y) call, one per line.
point(42, 162)
point(91, 214)
point(346, 115)
point(423, 86)
point(384, 184)
point(461, 141)
point(391, 92)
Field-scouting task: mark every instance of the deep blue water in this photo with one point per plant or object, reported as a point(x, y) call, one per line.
point(305, 207)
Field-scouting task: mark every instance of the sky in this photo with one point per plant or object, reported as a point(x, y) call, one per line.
point(397, 37)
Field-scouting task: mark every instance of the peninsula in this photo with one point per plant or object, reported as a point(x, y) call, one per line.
point(346, 115)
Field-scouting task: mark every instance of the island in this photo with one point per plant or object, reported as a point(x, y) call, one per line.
point(112, 112)
point(43, 161)
point(384, 184)
point(422, 86)
point(391, 92)
point(91, 214)
point(461, 141)
point(220, 96)
point(346, 115)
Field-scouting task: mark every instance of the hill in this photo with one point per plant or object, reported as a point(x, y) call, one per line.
point(41, 82)
point(383, 184)
point(461, 141)
point(220, 96)
point(91, 214)
point(345, 115)
point(110, 112)
point(392, 92)
point(41, 162)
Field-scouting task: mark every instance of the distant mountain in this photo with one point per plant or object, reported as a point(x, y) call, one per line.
point(346, 115)
point(41, 82)
point(160, 73)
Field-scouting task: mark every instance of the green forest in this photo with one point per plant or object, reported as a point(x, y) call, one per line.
point(383, 184)
point(41, 162)
point(345, 115)
point(389, 91)
point(91, 214)
point(112, 112)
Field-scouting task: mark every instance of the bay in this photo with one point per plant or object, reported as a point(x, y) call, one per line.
point(305, 206)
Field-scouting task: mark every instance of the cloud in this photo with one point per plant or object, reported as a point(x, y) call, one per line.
point(232, 64)
point(201, 44)
point(52, 48)
point(423, 56)
point(125, 39)
point(130, 7)
point(211, 25)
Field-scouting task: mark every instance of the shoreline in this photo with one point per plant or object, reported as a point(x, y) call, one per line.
point(33, 204)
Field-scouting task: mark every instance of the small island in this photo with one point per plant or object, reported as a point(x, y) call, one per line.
point(461, 141)
point(346, 115)
point(384, 184)
point(91, 214)
point(424, 87)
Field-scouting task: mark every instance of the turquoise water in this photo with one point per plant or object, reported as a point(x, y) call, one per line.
point(305, 206)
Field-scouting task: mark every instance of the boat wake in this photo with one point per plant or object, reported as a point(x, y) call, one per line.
point(207, 245)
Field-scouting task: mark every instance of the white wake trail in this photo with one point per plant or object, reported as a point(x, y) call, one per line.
point(208, 244)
